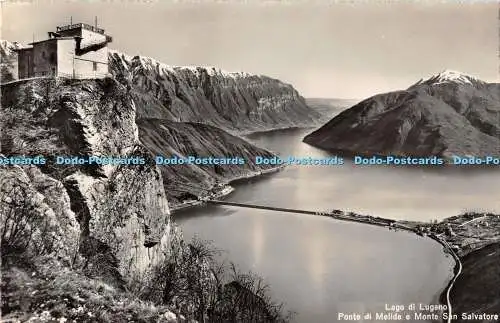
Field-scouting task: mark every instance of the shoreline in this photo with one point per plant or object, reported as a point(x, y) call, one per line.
point(447, 164)
point(444, 296)
point(313, 125)
point(227, 189)
point(288, 128)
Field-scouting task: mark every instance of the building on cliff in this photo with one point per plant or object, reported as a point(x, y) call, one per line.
point(74, 51)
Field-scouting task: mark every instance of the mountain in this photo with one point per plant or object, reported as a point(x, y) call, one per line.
point(237, 102)
point(188, 181)
point(449, 77)
point(450, 113)
point(200, 111)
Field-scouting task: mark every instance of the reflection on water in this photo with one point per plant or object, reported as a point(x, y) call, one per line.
point(395, 192)
point(319, 266)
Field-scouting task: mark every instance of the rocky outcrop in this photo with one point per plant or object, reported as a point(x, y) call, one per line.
point(237, 102)
point(122, 210)
point(448, 114)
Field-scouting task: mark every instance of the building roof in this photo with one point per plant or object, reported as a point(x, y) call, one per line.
point(22, 49)
point(56, 38)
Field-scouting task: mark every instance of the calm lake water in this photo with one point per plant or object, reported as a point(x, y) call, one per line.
point(319, 267)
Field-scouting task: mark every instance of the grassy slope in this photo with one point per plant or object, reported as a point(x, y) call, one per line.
point(44, 291)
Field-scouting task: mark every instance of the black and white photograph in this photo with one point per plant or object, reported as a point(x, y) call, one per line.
point(259, 161)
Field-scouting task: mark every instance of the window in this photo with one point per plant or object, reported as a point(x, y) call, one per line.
point(53, 58)
point(94, 66)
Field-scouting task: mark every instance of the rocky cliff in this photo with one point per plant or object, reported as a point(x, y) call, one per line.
point(448, 114)
point(237, 102)
point(118, 215)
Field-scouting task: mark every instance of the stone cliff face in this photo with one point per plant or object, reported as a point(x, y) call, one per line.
point(448, 114)
point(41, 203)
point(121, 211)
point(237, 102)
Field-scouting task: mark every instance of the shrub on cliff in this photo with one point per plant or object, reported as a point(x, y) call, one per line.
point(197, 284)
point(28, 225)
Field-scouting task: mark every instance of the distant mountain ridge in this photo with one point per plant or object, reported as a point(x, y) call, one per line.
point(450, 113)
point(329, 107)
point(236, 102)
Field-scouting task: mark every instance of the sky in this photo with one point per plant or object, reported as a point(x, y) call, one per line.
point(350, 49)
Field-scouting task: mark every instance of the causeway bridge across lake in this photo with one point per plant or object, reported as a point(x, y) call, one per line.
point(335, 214)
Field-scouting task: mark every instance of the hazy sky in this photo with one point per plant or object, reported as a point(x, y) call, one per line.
point(325, 49)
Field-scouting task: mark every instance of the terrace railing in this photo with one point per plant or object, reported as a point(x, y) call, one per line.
point(89, 75)
point(80, 25)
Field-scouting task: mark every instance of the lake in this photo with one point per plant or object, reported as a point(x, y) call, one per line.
point(321, 267)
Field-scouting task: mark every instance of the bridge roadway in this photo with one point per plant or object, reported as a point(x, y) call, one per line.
point(337, 215)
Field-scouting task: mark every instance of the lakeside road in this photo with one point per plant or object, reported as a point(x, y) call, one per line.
point(448, 292)
point(457, 271)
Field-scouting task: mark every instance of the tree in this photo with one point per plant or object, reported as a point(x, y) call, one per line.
point(192, 280)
